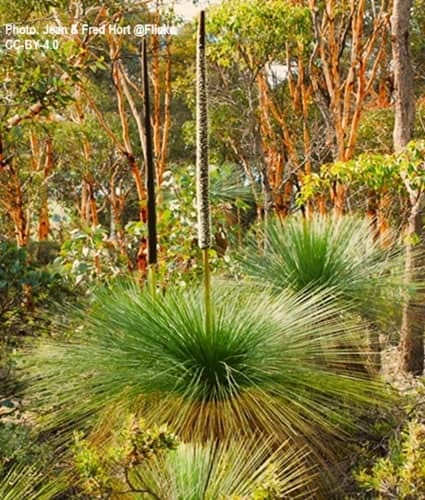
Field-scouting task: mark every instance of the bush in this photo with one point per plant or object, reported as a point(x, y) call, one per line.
point(24, 285)
point(401, 474)
point(394, 465)
point(27, 290)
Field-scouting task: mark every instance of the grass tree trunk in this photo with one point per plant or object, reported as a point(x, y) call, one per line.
point(150, 177)
point(411, 341)
point(202, 170)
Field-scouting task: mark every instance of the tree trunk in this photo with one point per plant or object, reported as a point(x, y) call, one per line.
point(403, 74)
point(383, 223)
point(411, 336)
point(412, 327)
point(43, 213)
point(342, 38)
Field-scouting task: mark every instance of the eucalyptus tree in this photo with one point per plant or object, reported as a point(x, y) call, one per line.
point(36, 85)
point(259, 51)
point(412, 331)
point(330, 59)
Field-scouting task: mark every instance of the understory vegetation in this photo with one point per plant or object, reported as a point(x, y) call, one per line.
point(279, 396)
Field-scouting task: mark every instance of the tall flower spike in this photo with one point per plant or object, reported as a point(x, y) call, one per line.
point(202, 174)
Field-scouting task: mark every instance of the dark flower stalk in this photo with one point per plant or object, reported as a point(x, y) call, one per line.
point(150, 177)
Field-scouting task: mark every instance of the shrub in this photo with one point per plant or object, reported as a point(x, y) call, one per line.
point(24, 285)
point(401, 474)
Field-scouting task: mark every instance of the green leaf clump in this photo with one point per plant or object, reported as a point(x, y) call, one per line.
point(269, 364)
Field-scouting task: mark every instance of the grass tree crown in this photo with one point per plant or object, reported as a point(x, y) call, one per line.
point(265, 364)
point(334, 253)
point(230, 469)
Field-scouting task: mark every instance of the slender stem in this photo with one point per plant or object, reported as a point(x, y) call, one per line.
point(133, 489)
point(207, 289)
point(152, 268)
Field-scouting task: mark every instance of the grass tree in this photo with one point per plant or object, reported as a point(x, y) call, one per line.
point(269, 364)
point(29, 481)
point(340, 254)
point(230, 469)
point(337, 255)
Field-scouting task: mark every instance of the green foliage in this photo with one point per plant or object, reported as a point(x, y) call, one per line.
point(27, 291)
point(89, 465)
point(339, 256)
point(17, 446)
point(378, 172)
point(73, 163)
point(13, 270)
point(150, 442)
point(375, 133)
point(417, 40)
point(33, 77)
point(269, 364)
point(372, 170)
point(152, 461)
point(411, 164)
point(401, 474)
point(259, 31)
point(16, 272)
point(177, 218)
point(133, 445)
point(87, 257)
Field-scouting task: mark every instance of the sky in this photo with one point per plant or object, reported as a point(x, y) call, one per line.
point(187, 9)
